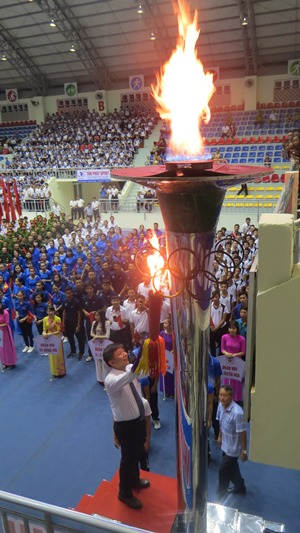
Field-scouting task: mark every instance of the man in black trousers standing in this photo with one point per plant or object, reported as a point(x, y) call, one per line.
point(72, 321)
point(129, 410)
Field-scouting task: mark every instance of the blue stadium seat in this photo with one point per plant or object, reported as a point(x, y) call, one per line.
point(237, 149)
point(234, 161)
point(253, 148)
point(251, 160)
point(260, 160)
point(229, 149)
point(243, 160)
point(277, 159)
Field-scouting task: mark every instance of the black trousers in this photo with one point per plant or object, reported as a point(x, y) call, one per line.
point(131, 435)
point(26, 330)
point(215, 338)
point(229, 470)
point(153, 400)
point(70, 332)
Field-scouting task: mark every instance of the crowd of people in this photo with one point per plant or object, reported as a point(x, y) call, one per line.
point(85, 139)
point(80, 281)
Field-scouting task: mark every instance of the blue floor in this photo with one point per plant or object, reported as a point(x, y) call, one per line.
point(56, 443)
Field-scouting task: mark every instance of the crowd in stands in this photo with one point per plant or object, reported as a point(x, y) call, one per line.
point(291, 148)
point(85, 139)
point(53, 261)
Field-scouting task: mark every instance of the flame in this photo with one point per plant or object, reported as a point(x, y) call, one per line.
point(155, 261)
point(183, 90)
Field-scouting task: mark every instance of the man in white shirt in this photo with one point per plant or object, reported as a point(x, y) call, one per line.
point(56, 209)
point(95, 207)
point(130, 302)
point(73, 207)
point(80, 204)
point(218, 316)
point(119, 322)
point(130, 412)
point(139, 320)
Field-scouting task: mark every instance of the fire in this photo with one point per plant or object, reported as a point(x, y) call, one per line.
point(183, 90)
point(155, 261)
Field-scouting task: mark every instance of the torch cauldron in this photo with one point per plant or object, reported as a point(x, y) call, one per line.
point(190, 195)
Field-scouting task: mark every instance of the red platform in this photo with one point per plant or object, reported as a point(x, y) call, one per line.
point(159, 503)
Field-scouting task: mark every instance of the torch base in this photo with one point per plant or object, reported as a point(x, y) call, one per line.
point(228, 520)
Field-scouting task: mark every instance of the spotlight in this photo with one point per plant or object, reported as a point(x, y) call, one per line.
point(152, 36)
point(244, 21)
point(72, 49)
point(3, 58)
point(52, 24)
point(140, 9)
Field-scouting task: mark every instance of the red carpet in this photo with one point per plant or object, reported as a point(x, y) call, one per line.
point(159, 503)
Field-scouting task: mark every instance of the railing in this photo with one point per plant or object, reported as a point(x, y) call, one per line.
point(24, 514)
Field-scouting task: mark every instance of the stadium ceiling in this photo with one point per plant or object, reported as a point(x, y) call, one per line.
point(112, 40)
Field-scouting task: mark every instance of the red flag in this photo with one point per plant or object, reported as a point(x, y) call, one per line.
point(5, 203)
point(1, 212)
point(11, 204)
point(17, 197)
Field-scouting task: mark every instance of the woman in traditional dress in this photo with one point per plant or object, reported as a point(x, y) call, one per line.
point(52, 326)
point(100, 330)
point(8, 354)
point(233, 345)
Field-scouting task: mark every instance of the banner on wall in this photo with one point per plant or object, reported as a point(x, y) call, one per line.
point(89, 175)
point(294, 67)
point(215, 71)
point(136, 83)
point(70, 89)
point(12, 95)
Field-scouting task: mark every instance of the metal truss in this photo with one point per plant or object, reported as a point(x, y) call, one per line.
point(75, 34)
point(22, 63)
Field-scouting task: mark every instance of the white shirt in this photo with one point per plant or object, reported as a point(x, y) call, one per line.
point(129, 306)
point(140, 321)
point(143, 289)
point(95, 204)
point(111, 313)
point(80, 202)
point(216, 313)
point(122, 401)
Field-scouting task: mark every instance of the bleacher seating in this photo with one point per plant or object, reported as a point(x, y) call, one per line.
point(245, 127)
point(17, 130)
point(261, 194)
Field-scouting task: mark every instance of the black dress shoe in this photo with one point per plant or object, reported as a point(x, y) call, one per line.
point(71, 354)
point(237, 490)
point(142, 484)
point(131, 501)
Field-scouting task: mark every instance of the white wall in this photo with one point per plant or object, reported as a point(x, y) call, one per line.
point(275, 435)
point(260, 91)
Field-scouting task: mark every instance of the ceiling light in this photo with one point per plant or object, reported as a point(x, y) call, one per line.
point(244, 21)
point(72, 49)
point(52, 24)
point(3, 58)
point(152, 36)
point(140, 9)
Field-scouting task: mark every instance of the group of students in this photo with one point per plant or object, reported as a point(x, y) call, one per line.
point(80, 275)
point(81, 282)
